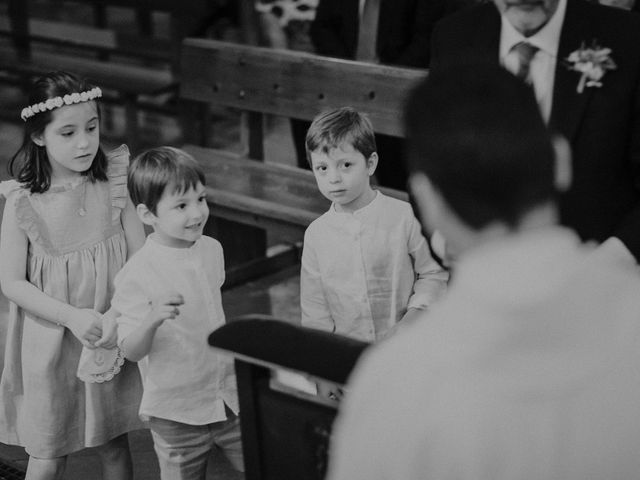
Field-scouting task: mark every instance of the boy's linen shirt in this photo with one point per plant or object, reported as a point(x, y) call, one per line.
point(362, 271)
point(184, 379)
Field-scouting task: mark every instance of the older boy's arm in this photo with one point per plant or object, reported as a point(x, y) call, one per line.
point(314, 308)
point(431, 279)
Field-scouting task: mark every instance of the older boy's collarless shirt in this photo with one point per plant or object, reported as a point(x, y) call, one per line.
point(184, 379)
point(361, 271)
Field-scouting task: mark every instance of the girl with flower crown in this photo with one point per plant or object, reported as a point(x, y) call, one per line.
point(67, 229)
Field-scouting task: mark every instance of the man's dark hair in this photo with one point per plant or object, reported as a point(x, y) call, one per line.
point(477, 133)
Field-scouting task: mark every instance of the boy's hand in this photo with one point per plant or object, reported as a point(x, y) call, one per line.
point(329, 390)
point(164, 308)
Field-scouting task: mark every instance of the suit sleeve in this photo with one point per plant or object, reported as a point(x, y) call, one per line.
point(435, 46)
point(628, 230)
point(325, 33)
point(417, 51)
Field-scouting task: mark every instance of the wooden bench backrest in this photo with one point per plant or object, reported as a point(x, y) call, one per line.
point(293, 84)
point(285, 432)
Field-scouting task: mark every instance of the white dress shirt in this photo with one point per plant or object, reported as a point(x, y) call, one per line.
point(361, 271)
point(543, 64)
point(184, 379)
point(527, 370)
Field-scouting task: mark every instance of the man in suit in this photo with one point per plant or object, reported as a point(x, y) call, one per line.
point(404, 29)
point(602, 123)
point(403, 33)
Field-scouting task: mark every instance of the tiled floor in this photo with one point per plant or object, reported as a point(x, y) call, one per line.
point(277, 295)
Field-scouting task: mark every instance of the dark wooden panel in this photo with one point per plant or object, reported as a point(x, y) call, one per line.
point(124, 78)
point(293, 84)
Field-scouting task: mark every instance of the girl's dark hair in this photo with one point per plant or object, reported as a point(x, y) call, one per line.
point(30, 164)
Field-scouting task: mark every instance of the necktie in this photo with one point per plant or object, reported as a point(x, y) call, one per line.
point(368, 31)
point(525, 52)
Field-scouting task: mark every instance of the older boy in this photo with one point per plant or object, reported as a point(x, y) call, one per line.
point(365, 264)
point(528, 369)
point(168, 295)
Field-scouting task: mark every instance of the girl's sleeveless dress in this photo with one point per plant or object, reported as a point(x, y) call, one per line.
point(76, 247)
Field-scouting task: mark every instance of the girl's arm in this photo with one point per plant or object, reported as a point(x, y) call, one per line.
point(133, 228)
point(14, 244)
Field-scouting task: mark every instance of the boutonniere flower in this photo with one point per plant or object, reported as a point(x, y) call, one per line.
point(592, 62)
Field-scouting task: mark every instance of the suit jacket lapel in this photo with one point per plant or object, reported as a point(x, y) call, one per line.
point(568, 106)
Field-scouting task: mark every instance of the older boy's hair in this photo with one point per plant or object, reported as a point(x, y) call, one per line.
point(153, 170)
point(331, 128)
point(477, 133)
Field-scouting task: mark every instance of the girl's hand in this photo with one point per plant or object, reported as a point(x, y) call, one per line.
point(164, 308)
point(109, 327)
point(86, 325)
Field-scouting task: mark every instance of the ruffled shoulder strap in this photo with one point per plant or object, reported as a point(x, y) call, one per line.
point(27, 218)
point(117, 167)
point(7, 187)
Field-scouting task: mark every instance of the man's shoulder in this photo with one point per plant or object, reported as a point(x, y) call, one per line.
point(607, 21)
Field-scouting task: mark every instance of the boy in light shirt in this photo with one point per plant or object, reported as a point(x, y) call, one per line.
point(365, 264)
point(168, 295)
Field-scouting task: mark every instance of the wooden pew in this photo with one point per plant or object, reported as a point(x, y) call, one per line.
point(285, 430)
point(42, 45)
point(281, 82)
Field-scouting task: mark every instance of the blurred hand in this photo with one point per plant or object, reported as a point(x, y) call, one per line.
point(164, 308)
point(109, 337)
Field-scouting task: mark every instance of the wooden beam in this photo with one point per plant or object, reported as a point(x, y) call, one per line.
point(294, 84)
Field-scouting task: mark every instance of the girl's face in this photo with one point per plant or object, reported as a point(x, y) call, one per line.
point(71, 139)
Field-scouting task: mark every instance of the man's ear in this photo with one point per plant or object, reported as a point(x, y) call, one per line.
point(37, 139)
point(563, 172)
point(145, 215)
point(372, 163)
point(426, 199)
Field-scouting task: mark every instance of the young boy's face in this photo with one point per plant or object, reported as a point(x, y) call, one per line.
point(343, 176)
point(180, 216)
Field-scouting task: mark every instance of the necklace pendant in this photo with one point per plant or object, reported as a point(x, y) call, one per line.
point(82, 212)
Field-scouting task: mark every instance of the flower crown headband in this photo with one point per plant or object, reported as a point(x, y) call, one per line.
point(58, 102)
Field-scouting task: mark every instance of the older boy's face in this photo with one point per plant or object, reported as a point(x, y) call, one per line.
point(343, 176)
point(180, 216)
point(527, 16)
